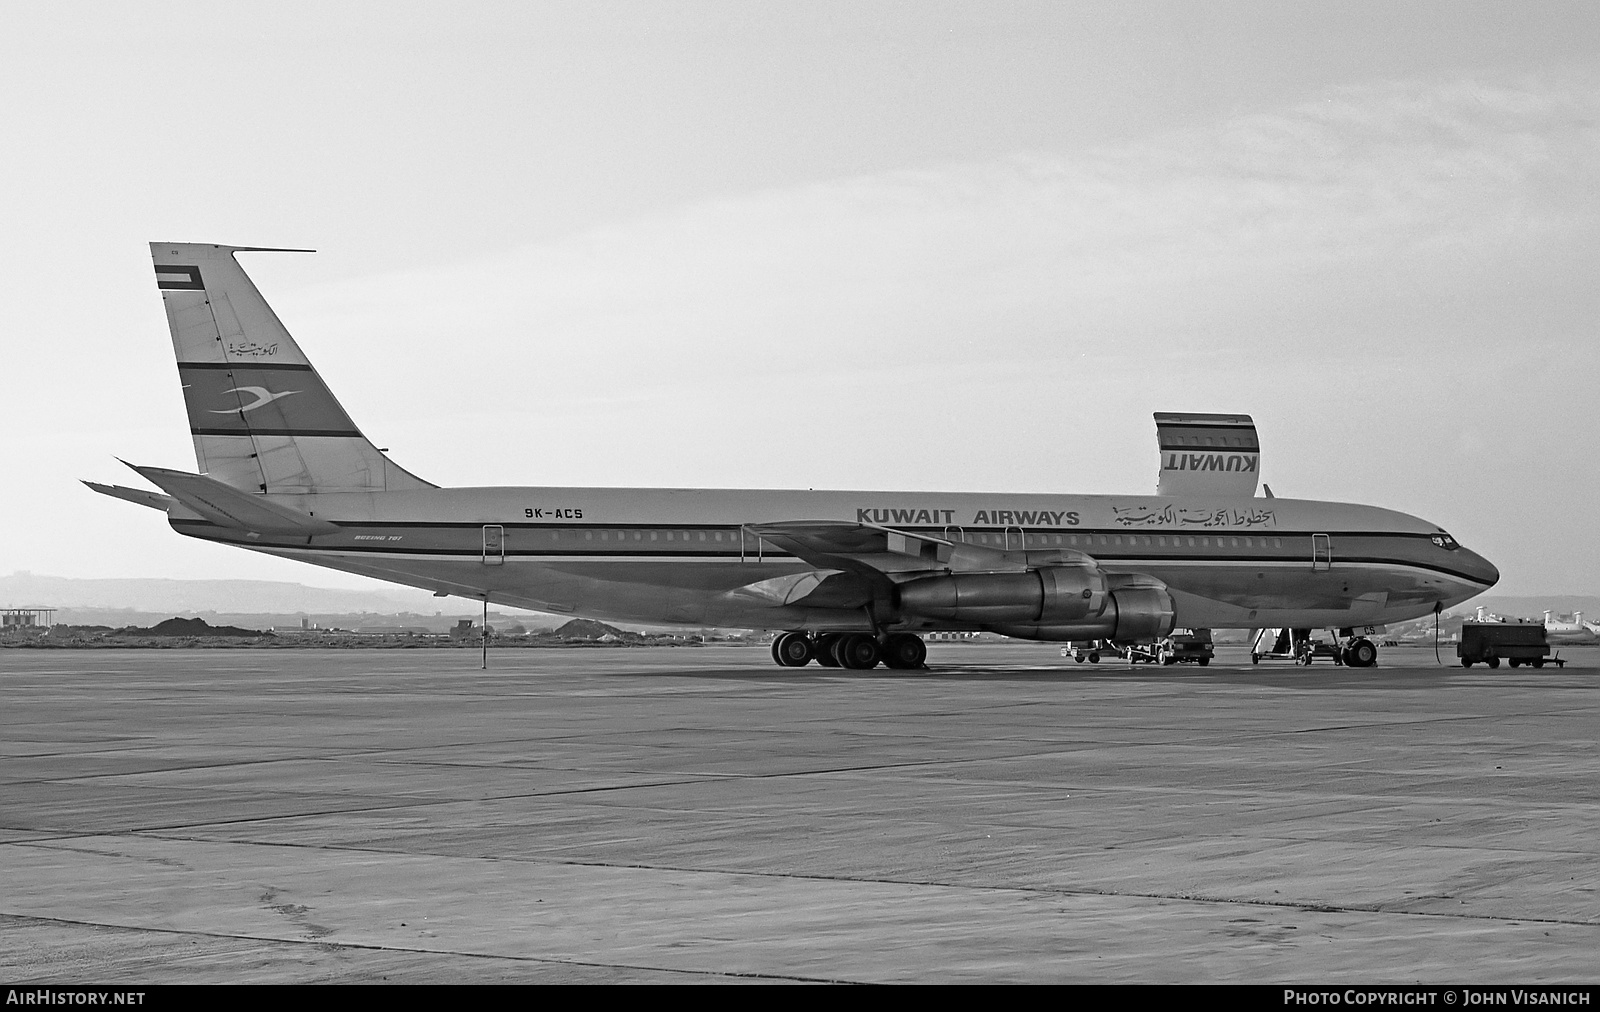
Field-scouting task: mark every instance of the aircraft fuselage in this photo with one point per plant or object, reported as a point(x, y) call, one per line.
point(690, 556)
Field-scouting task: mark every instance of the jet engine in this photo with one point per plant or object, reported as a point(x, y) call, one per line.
point(1137, 608)
point(1048, 595)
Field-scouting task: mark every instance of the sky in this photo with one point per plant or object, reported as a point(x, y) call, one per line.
point(910, 246)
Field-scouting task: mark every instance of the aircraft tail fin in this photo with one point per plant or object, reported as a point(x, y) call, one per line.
point(261, 417)
point(1207, 454)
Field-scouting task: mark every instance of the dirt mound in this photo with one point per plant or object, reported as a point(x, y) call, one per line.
point(195, 627)
point(588, 629)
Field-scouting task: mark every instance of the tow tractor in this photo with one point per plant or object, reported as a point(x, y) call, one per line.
point(1191, 646)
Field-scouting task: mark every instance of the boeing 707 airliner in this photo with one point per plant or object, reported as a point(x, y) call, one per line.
point(850, 579)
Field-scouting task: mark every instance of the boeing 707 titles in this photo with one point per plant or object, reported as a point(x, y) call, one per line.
point(849, 578)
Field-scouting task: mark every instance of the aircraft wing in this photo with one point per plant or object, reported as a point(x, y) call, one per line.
point(884, 553)
point(857, 558)
point(855, 547)
point(864, 562)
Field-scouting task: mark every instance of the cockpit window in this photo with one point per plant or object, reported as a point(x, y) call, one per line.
point(1444, 541)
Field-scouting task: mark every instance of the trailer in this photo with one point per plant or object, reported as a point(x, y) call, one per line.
point(1296, 645)
point(1087, 650)
point(1349, 646)
point(1517, 643)
point(1182, 647)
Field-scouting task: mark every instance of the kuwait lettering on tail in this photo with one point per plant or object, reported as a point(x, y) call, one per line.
point(1207, 454)
point(1210, 462)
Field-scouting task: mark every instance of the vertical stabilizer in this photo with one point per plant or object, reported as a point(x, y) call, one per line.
point(262, 419)
point(1207, 454)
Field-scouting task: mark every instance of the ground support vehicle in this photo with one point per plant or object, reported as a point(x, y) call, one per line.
point(1134, 653)
point(1089, 650)
point(1189, 647)
point(1180, 648)
point(1518, 643)
point(1300, 646)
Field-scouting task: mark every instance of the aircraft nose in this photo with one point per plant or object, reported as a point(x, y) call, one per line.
point(1482, 569)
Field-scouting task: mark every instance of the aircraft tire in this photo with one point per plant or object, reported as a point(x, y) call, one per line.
point(792, 650)
point(1255, 658)
point(823, 650)
point(1466, 662)
point(1493, 662)
point(1362, 654)
point(904, 652)
point(858, 652)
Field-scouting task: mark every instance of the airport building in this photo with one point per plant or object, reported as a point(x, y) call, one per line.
point(14, 619)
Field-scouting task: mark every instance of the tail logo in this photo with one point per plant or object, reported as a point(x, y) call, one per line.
point(262, 395)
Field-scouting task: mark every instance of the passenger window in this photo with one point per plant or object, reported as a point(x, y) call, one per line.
point(1277, 542)
point(588, 535)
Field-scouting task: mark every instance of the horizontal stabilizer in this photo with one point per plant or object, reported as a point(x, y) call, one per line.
point(230, 507)
point(154, 500)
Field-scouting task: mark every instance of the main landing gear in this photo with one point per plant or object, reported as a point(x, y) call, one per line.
point(856, 651)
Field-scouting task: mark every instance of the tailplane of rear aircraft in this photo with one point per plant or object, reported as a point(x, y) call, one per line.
point(261, 417)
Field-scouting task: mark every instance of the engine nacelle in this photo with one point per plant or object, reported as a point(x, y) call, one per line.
point(1048, 596)
point(1142, 611)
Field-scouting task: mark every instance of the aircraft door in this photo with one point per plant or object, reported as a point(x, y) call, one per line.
point(494, 545)
point(1321, 553)
point(1022, 538)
